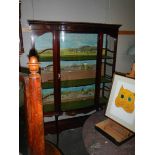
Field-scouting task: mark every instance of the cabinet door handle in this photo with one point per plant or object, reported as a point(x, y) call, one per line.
point(59, 76)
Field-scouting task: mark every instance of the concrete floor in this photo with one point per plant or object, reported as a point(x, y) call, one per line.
point(70, 142)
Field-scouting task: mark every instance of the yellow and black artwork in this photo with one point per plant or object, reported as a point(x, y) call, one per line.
point(125, 100)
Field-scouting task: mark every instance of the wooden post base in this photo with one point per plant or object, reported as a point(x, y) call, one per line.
point(117, 133)
point(51, 149)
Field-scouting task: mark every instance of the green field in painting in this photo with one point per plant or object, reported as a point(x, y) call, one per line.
point(67, 54)
point(66, 106)
point(70, 55)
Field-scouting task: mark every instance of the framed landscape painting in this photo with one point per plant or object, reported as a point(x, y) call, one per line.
point(121, 104)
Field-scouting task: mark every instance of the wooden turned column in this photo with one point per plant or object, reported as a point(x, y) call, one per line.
point(34, 113)
point(34, 110)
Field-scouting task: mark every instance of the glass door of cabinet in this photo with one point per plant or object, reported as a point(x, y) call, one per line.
point(78, 53)
point(44, 47)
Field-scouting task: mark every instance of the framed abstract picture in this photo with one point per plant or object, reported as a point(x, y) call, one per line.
point(121, 104)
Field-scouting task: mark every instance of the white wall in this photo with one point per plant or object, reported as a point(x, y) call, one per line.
point(96, 11)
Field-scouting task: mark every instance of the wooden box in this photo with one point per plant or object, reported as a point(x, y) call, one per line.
point(114, 131)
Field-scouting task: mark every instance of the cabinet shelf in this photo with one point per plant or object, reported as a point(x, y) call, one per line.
point(75, 83)
point(108, 50)
point(109, 64)
point(107, 57)
point(74, 105)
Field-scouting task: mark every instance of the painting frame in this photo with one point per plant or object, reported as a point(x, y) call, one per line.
point(120, 113)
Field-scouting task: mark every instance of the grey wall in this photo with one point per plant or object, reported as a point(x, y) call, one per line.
point(65, 10)
point(97, 11)
point(123, 12)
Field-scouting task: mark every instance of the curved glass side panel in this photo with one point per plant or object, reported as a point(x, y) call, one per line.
point(107, 67)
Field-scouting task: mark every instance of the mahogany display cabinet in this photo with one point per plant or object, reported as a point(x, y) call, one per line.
point(77, 62)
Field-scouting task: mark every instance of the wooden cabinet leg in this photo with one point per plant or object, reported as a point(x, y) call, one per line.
point(57, 129)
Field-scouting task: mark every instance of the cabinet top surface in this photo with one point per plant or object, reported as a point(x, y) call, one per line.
point(38, 22)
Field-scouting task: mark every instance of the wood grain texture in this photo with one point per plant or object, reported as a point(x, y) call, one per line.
point(34, 110)
point(34, 113)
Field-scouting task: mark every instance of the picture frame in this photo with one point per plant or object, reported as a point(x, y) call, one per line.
point(121, 104)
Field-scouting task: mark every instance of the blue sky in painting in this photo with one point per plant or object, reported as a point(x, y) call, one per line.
point(44, 41)
point(67, 40)
point(76, 40)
